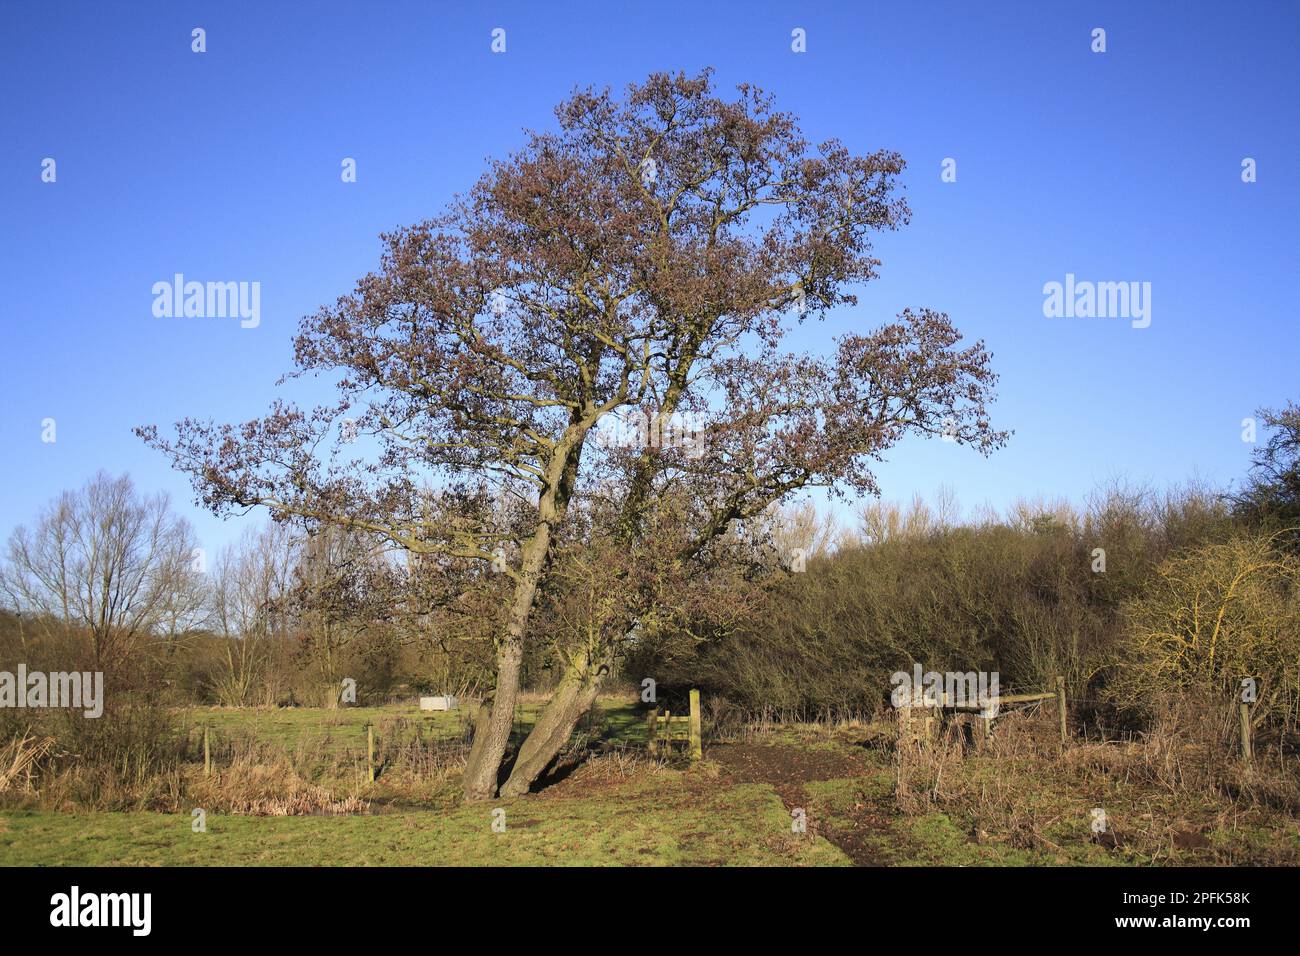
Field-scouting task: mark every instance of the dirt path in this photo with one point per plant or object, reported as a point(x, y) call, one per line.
point(787, 768)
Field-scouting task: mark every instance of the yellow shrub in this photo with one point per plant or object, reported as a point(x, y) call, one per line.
point(1213, 617)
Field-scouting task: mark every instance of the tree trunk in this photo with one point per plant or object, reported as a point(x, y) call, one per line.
point(492, 731)
point(582, 681)
point(571, 700)
point(493, 725)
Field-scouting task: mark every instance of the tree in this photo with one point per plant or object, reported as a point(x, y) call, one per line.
point(187, 605)
point(103, 561)
point(1271, 497)
point(252, 578)
point(647, 256)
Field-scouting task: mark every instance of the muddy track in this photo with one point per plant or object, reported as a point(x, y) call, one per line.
point(787, 769)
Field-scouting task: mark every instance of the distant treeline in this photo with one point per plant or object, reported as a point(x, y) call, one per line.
point(1135, 598)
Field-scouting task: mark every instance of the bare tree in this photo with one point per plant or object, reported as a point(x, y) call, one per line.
point(1271, 496)
point(102, 561)
point(250, 582)
point(799, 532)
point(344, 585)
point(187, 605)
point(650, 254)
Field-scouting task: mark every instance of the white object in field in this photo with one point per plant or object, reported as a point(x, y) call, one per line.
point(442, 702)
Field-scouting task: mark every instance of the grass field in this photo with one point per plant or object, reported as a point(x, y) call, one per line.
point(620, 807)
point(345, 728)
point(669, 822)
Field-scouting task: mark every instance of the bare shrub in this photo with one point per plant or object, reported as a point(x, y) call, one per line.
point(1016, 594)
point(934, 771)
point(1210, 618)
point(127, 759)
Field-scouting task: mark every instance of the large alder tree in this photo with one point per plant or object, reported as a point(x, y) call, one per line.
point(647, 256)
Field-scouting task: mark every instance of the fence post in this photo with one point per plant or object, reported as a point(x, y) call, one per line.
point(915, 728)
point(697, 745)
point(370, 751)
point(1246, 752)
point(1060, 706)
point(207, 753)
point(652, 731)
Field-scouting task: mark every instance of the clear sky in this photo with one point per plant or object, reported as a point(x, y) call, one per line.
point(225, 166)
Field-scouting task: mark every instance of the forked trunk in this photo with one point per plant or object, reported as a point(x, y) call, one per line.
point(492, 729)
point(496, 716)
point(571, 700)
point(582, 679)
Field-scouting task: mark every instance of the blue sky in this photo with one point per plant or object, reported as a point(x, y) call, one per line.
point(225, 165)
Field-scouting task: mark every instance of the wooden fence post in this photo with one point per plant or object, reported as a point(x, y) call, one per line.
point(207, 753)
point(1060, 705)
point(697, 744)
point(370, 751)
point(915, 726)
point(652, 731)
point(1246, 752)
point(930, 724)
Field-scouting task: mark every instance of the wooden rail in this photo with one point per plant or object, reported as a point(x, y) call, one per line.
point(1058, 695)
point(663, 729)
point(982, 727)
point(999, 701)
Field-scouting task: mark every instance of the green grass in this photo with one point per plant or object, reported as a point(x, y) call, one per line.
point(668, 819)
point(665, 818)
point(613, 813)
point(316, 728)
point(344, 729)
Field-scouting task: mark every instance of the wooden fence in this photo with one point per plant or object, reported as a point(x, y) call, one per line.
point(663, 729)
point(983, 723)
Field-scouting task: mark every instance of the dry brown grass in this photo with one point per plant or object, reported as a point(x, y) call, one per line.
point(137, 763)
point(1177, 793)
point(263, 785)
point(19, 760)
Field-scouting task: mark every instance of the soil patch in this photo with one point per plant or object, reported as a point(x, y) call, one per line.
point(787, 768)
